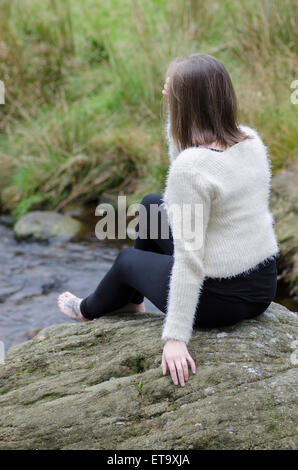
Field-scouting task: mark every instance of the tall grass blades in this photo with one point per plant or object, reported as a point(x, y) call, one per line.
point(83, 79)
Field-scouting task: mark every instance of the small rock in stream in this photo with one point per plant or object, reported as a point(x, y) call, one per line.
point(46, 225)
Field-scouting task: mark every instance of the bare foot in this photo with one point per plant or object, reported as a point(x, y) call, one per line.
point(131, 308)
point(69, 305)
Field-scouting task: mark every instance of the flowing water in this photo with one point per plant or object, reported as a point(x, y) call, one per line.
point(33, 274)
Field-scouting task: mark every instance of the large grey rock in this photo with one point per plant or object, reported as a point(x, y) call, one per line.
point(99, 385)
point(45, 225)
point(284, 205)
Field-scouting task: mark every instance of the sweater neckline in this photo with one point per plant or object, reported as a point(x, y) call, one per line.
point(210, 148)
point(249, 131)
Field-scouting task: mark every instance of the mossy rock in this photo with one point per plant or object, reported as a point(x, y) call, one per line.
point(284, 205)
point(46, 225)
point(99, 385)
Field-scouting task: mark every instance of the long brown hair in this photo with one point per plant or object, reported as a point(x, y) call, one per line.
point(202, 103)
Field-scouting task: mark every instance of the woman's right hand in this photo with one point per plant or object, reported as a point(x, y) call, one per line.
point(176, 357)
point(165, 90)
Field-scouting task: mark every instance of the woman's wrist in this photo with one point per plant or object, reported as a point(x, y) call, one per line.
point(174, 340)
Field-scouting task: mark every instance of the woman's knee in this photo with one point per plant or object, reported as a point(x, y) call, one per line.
point(124, 259)
point(151, 198)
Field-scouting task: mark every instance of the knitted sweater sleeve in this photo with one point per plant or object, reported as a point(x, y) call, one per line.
point(188, 190)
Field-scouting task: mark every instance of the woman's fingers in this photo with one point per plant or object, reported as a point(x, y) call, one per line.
point(173, 372)
point(176, 358)
point(185, 368)
point(180, 373)
point(177, 369)
point(192, 363)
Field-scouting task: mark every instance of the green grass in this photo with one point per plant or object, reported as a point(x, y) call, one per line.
point(83, 109)
point(140, 387)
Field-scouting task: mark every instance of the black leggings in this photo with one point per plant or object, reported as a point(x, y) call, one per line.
point(144, 271)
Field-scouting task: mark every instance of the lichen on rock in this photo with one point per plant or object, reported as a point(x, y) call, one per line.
point(99, 385)
point(284, 205)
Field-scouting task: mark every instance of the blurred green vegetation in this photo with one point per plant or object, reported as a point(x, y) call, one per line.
point(84, 109)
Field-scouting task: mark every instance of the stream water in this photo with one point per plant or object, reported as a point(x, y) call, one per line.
point(33, 274)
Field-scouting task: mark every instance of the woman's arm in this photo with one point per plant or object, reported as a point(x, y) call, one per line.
point(190, 194)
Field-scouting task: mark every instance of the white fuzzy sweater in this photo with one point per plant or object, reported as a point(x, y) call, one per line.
point(233, 187)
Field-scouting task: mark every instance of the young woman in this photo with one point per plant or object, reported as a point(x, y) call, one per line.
point(223, 168)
